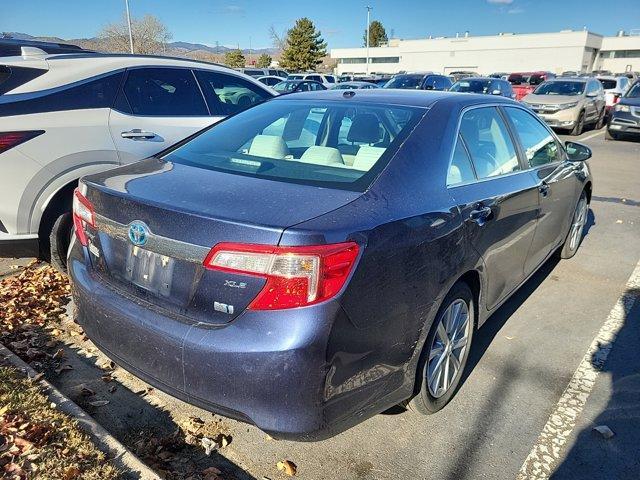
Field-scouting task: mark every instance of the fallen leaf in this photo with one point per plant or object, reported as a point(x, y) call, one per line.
point(71, 473)
point(99, 403)
point(63, 368)
point(112, 388)
point(59, 354)
point(605, 431)
point(87, 392)
point(288, 467)
point(208, 445)
point(619, 221)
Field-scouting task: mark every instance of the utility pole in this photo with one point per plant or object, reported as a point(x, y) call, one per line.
point(368, 26)
point(126, 2)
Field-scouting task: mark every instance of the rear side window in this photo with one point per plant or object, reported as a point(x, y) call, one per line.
point(315, 78)
point(486, 136)
point(539, 145)
point(164, 92)
point(228, 94)
point(460, 170)
point(330, 79)
point(98, 93)
point(13, 77)
point(318, 143)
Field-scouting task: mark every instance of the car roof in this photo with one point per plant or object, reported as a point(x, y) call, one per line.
point(482, 78)
point(414, 98)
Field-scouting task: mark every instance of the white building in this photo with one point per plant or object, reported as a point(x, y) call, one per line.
point(581, 51)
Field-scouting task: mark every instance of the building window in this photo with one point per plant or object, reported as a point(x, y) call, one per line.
point(353, 60)
point(621, 54)
point(385, 60)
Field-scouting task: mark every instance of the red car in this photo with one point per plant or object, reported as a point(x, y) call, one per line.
point(524, 83)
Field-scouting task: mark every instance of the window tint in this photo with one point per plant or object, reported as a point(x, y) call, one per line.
point(330, 79)
point(98, 93)
point(296, 141)
point(316, 78)
point(273, 72)
point(13, 77)
point(167, 92)
point(539, 146)
point(460, 170)
point(228, 94)
point(487, 138)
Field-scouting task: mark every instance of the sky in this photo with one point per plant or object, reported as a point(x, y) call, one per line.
point(342, 22)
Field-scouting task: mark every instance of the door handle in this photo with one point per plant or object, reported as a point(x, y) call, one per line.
point(137, 134)
point(480, 214)
point(544, 189)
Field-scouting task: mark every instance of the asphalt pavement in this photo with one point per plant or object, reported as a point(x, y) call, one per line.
point(522, 360)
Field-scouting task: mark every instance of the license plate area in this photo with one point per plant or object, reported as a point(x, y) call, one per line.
point(149, 270)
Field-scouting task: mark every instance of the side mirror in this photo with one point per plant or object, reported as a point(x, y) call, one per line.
point(592, 94)
point(577, 152)
point(496, 92)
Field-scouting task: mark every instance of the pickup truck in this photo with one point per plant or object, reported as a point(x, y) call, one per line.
point(524, 83)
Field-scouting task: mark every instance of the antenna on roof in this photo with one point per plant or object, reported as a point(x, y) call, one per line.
point(32, 52)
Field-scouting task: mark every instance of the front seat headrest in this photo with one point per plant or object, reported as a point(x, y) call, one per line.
point(365, 128)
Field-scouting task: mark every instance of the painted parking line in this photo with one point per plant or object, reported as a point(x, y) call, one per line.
point(593, 135)
point(549, 447)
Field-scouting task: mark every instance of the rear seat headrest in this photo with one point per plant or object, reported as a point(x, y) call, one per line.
point(365, 128)
point(268, 146)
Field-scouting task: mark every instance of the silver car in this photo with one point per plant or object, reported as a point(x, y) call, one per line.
point(615, 86)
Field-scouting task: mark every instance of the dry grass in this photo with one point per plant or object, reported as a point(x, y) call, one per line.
point(39, 442)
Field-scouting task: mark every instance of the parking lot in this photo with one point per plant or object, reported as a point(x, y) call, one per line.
point(522, 361)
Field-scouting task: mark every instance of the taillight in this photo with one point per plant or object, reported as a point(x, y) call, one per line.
point(83, 214)
point(11, 139)
point(296, 276)
point(616, 98)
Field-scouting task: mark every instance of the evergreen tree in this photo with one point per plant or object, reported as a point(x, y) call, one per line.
point(234, 59)
point(263, 61)
point(377, 34)
point(305, 47)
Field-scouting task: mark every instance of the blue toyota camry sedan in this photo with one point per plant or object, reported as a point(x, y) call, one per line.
point(321, 257)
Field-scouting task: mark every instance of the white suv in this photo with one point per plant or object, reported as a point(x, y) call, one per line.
point(65, 116)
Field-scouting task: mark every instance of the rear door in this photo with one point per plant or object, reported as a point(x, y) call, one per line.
point(496, 196)
point(155, 108)
point(555, 178)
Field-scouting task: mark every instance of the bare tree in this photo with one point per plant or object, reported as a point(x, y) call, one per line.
point(279, 40)
point(150, 36)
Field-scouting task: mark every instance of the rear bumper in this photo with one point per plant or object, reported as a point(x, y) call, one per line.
point(624, 124)
point(265, 368)
point(18, 246)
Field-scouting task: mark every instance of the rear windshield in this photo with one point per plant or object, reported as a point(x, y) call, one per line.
point(321, 143)
point(472, 86)
point(517, 79)
point(404, 81)
point(608, 84)
point(560, 87)
point(536, 79)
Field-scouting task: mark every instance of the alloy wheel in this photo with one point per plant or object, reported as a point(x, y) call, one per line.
point(579, 221)
point(448, 348)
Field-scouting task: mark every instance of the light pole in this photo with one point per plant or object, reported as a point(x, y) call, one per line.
point(368, 26)
point(126, 2)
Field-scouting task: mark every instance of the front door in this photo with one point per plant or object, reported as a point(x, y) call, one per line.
point(497, 199)
point(156, 108)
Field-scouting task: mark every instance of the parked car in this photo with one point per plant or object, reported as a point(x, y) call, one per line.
point(459, 75)
point(501, 75)
point(614, 88)
point(483, 85)
point(263, 72)
point(327, 80)
point(64, 116)
point(13, 47)
point(270, 80)
point(625, 118)
point(301, 267)
point(524, 83)
point(354, 86)
point(569, 103)
point(294, 86)
point(419, 81)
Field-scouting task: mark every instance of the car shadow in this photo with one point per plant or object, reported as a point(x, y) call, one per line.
point(591, 455)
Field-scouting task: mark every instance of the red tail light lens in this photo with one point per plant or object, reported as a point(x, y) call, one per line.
point(296, 276)
point(11, 139)
point(83, 214)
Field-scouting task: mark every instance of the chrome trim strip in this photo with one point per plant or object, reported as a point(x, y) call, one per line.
point(155, 243)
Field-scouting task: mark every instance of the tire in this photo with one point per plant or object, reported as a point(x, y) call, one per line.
point(59, 240)
point(576, 231)
point(600, 121)
point(579, 126)
point(431, 392)
point(610, 136)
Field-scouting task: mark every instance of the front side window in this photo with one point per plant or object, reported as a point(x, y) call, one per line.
point(168, 92)
point(489, 143)
point(228, 94)
point(634, 92)
point(539, 145)
point(320, 143)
